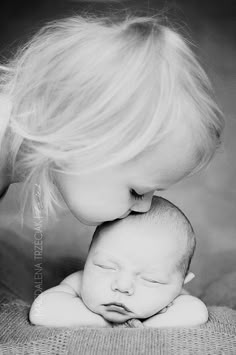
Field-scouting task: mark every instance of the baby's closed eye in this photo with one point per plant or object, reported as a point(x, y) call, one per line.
point(105, 266)
point(152, 280)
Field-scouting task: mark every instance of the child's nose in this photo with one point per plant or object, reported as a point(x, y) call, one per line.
point(144, 204)
point(123, 283)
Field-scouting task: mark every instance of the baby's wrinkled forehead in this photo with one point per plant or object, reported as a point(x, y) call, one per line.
point(147, 228)
point(133, 239)
point(156, 268)
point(163, 236)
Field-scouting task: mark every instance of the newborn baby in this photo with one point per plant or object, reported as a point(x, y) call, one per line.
point(135, 269)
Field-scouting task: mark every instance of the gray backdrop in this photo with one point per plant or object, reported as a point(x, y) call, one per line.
point(208, 198)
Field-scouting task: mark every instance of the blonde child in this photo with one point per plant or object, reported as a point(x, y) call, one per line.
point(101, 113)
point(135, 269)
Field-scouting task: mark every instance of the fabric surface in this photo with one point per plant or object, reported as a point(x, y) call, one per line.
point(19, 337)
point(222, 291)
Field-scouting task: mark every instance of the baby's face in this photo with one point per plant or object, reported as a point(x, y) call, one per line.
point(131, 271)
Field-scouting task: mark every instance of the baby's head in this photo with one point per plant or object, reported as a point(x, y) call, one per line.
point(136, 266)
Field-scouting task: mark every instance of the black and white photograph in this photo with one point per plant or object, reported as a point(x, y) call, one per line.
point(118, 177)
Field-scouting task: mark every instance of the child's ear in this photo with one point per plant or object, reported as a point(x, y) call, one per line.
point(188, 277)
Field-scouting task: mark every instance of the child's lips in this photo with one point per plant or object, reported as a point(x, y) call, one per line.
point(125, 214)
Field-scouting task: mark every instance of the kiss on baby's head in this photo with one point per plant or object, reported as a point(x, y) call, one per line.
point(137, 266)
point(98, 102)
point(162, 213)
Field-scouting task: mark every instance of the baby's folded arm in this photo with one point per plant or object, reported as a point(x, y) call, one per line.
point(74, 281)
point(186, 311)
point(60, 306)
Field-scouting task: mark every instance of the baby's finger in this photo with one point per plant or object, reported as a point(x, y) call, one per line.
point(135, 323)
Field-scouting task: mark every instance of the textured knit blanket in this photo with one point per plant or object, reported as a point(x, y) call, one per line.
point(19, 337)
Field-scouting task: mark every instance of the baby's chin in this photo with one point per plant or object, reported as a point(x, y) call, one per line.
point(114, 317)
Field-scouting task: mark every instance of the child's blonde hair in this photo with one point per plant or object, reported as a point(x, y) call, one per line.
point(87, 93)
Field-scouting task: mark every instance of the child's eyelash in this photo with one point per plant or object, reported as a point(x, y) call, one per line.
point(136, 195)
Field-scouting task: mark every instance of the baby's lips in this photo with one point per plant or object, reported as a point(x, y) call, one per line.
point(117, 306)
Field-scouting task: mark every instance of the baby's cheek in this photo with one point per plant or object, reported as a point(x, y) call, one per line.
point(91, 291)
point(87, 295)
point(151, 300)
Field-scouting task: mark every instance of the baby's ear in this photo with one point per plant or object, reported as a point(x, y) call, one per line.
point(188, 277)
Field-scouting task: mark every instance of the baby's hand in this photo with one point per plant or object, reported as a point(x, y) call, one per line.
point(131, 323)
point(186, 311)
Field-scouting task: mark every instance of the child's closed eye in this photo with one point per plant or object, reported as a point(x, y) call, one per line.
point(135, 195)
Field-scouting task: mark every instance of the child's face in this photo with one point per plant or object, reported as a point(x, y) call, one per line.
point(106, 195)
point(131, 271)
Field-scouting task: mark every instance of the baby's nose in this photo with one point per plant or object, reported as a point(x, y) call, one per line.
point(123, 284)
point(144, 204)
